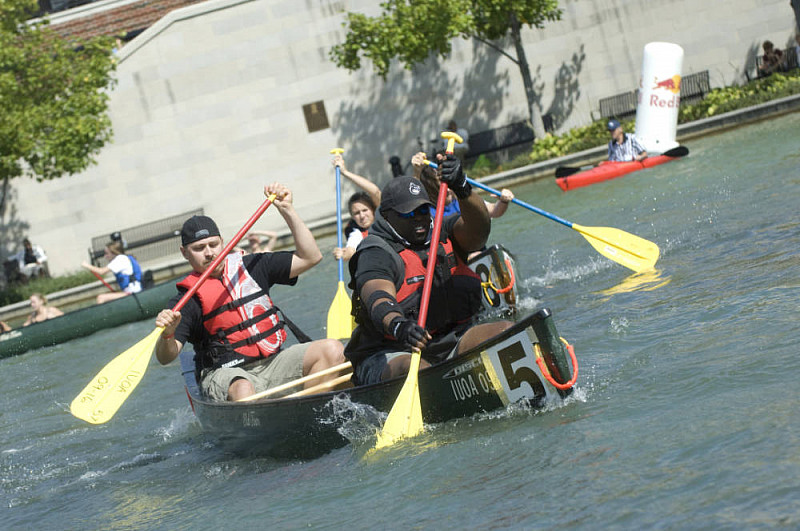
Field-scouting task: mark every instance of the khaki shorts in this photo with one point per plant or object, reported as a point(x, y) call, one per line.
point(285, 366)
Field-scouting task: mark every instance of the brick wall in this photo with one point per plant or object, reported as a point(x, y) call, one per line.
point(118, 21)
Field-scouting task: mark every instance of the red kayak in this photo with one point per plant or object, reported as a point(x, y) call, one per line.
point(569, 178)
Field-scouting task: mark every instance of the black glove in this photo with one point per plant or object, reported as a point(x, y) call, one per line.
point(453, 175)
point(408, 332)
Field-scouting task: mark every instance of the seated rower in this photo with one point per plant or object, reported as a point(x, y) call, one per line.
point(623, 147)
point(126, 270)
point(41, 310)
point(388, 271)
point(233, 362)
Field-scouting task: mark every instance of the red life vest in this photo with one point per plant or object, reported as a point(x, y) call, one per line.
point(240, 318)
point(452, 278)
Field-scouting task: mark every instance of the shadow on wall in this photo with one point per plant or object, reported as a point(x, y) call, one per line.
point(407, 107)
point(566, 88)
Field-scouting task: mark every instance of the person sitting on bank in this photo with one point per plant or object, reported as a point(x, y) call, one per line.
point(361, 206)
point(771, 61)
point(623, 147)
point(125, 268)
point(41, 310)
point(233, 361)
point(388, 271)
point(31, 259)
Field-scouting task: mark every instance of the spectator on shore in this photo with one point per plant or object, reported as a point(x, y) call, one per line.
point(41, 310)
point(771, 61)
point(623, 147)
point(797, 49)
point(361, 206)
point(31, 259)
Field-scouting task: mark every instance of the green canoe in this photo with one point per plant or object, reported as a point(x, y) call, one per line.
point(88, 320)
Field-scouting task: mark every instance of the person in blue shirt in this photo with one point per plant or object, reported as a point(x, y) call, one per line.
point(623, 147)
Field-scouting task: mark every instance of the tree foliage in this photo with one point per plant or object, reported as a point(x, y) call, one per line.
point(53, 97)
point(413, 30)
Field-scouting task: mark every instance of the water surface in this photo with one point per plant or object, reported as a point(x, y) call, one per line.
point(686, 414)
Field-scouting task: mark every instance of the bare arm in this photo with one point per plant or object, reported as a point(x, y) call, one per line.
point(94, 269)
point(499, 208)
point(362, 182)
point(471, 231)
point(167, 347)
point(307, 253)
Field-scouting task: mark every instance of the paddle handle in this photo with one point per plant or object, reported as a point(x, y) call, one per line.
point(337, 151)
point(225, 251)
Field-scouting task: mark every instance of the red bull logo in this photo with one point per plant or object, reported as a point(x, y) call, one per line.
point(673, 84)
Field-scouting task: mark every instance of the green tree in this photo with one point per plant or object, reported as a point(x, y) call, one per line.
point(53, 98)
point(412, 30)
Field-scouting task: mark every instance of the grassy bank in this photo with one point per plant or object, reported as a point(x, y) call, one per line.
point(716, 102)
point(21, 292)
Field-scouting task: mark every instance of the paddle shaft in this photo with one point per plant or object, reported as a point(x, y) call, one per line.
point(523, 204)
point(437, 229)
point(224, 253)
point(339, 219)
point(100, 278)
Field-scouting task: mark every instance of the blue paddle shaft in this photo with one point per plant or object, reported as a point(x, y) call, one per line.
point(523, 204)
point(339, 219)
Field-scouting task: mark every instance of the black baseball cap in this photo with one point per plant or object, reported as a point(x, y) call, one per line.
point(404, 194)
point(197, 228)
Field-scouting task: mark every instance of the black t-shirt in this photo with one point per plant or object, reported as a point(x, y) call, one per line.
point(266, 269)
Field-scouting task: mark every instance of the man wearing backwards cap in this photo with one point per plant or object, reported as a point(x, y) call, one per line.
point(623, 147)
point(388, 272)
point(237, 332)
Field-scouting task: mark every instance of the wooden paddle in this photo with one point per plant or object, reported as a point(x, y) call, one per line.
point(623, 248)
point(293, 383)
point(340, 322)
point(103, 396)
point(566, 171)
point(405, 418)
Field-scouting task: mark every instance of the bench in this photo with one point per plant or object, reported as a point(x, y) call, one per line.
point(694, 87)
point(507, 140)
point(146, 242)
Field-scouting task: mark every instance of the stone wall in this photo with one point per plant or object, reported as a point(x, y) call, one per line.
point(210, 101)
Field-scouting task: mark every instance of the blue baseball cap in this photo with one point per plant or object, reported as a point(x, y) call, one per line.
point(612, 125)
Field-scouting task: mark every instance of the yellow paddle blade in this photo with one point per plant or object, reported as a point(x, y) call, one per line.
point(340, 322)
point(99, 400)
point(624, 248)
point(405, 418)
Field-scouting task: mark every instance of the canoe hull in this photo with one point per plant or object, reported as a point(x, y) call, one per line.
point(497, 373)
point(87, 321)
point(608, 170)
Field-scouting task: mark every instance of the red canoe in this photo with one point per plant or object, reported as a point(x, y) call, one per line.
point(610, 170)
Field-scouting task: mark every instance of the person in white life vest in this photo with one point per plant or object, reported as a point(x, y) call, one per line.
point(388, 272)
point(237, 332)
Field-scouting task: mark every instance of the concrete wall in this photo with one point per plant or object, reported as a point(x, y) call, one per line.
point(208, 107)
